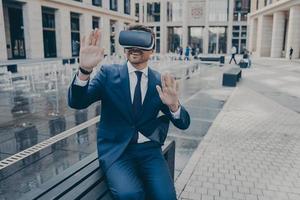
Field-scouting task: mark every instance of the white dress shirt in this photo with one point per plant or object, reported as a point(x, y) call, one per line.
point(132, 83)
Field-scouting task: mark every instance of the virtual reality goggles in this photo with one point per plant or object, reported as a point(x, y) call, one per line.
point(136, 39)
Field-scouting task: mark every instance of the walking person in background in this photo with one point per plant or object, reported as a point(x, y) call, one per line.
point(291, 53)
point(233, 52)
point(187, 53)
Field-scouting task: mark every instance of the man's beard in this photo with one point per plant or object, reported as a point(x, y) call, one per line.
point(140, 57)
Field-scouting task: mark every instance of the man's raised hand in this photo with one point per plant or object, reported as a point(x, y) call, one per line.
point(169, 92)
point(91, 53)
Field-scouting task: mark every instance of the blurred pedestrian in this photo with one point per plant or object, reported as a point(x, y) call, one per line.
point(291, 53)
point(187, 53)
point(233, 52)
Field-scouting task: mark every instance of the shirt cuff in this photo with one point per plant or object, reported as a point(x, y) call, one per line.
point(79, 82)
point(176, 115)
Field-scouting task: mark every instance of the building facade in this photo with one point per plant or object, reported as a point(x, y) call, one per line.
point(211, 26)
point(274, 28)
point(38, 29)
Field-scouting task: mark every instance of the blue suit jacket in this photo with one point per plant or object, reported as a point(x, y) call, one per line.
point(117, 124)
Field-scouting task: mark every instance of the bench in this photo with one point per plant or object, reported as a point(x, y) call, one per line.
point(85, 180)
point(231, 77)
point(220, 59)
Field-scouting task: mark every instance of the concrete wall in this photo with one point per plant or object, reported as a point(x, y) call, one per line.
point(33, 30)
point(271, 29)
point(3, 52)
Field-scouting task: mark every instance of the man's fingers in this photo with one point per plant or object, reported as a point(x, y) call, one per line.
point(98, 38)
point(158, 88)
point(173, 82)
point(95, 37)
point(90, 38)
point(168, 80)
point(177, 86)
point(163, 82)
point(82, 42)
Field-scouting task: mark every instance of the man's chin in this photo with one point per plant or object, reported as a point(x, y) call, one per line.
point(134, 61)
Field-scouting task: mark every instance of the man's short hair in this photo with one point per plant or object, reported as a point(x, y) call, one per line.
point(143, 28)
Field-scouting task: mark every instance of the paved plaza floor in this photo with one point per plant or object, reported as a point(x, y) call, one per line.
point(252, 149)
point(243, 142)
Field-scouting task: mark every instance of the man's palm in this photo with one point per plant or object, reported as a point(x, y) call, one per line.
point(169, 91)
point(90, 52)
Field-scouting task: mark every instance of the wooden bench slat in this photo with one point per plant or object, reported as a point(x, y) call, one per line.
point(85, 186)
point(71, 182)
point(96, 192)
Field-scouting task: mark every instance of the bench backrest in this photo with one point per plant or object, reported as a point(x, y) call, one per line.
point(85, 180)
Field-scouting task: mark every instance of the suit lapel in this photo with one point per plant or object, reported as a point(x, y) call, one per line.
point(150, 91)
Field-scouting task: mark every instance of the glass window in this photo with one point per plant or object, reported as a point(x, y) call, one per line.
point(113, 5)
point(218, 10)
point(153, 12)
point(137, 9)
point(217, 40)
point(244, 34)
point(16, 48)
point(196, 39)
point(96, 22)
point(241, 10)
point(243, 45)
point(49, 37)
point(97, 3)
point(174, 11)
point(75, 34)
point(235, 34)
point(174, 38)
point(222, 34)
point(235, 43)
point(112, 37)
point(236, 28)
point(127, 7)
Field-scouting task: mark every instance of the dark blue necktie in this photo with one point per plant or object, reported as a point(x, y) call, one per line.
point(137, 102)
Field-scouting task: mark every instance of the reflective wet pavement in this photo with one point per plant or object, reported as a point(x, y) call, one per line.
point(28, 118)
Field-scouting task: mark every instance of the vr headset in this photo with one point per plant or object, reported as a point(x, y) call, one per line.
point(136, 39)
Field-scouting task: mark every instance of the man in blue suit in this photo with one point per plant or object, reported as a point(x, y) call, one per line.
point(130, 132)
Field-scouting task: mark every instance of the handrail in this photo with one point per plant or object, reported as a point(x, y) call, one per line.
point(46, 143)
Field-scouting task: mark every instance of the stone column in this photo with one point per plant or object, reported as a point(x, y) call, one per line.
point(277, 34)
point(86, 24)
point(87, 2)
point(121, 6)
point(230, 24)
point(185, 25)
point(105, 4)
point(33, 30)
point(206, 29)
point(293, 38)
point(141, 12)
point(105, 39)
point(252, 35)
point(63, 33)
point(264, 37)
point(163, 28)
point(119, 28)
point(3, 51)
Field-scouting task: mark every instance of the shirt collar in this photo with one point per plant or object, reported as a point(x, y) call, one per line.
point(132, 69)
